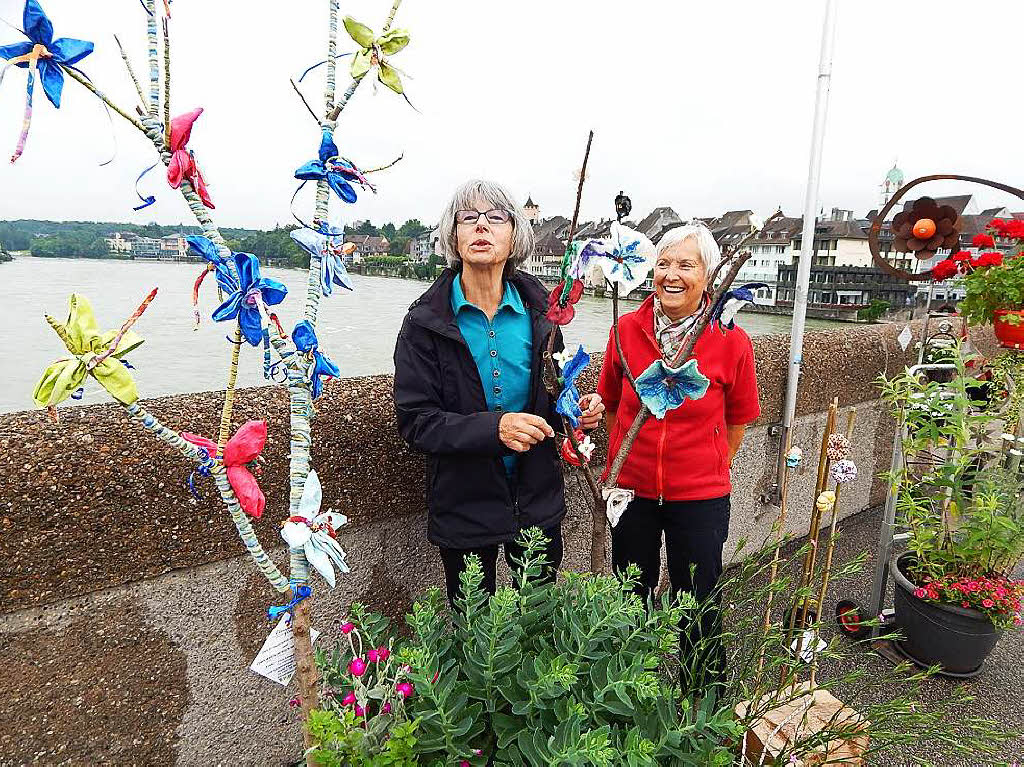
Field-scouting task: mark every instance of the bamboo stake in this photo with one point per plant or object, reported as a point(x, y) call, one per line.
point(154, 59)
point(167, 82)
point(229, 393)
point(826, 571)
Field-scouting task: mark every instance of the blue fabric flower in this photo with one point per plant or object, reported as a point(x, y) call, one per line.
point(305, 341)
point(324, 247)
point(728, 306)
point(207, 249)
point(243, 302)
point(662, 388)
point(568, 402)
point(331, 168)
point(66, 51)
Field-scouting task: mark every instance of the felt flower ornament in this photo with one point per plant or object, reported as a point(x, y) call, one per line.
point(561, 300)
point(41, 52)
point(826, 501)
point(563, 357)
point(728, 306)
point(183, 162)
point(329, 251)
point(844, 471)
point(568, 402)
point(838, 447)
point(616, 500)
point(335, 170)
point(245, 446)
point(315, 532)
point(924, 227)
point(626, 257)
point(244, 301)
point(794, 457)
point(583, 442)
point(305, 341)
point(662, 388)
point(93, 353)
point(374, 51)
point(207, 249)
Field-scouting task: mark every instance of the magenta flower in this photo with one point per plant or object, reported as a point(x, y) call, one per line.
point(405, 689)
point(386, 708)
point(373, 656)
point(346, 628)
point(295, 702)
point(357, 667)
point(360, 711)
point(919, 593)
point(987, 603)
point(383, 653)
point(349, 699)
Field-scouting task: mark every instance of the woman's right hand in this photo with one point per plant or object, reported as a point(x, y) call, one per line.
point(521, 431)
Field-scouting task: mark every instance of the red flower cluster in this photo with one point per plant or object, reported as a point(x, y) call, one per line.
point(963, 262)
point(1000, 598)
point(982, 240)
point(1012, 229)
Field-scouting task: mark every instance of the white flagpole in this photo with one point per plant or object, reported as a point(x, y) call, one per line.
point(828, 37)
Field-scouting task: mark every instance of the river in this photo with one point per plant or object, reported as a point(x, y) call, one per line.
point(356, 329)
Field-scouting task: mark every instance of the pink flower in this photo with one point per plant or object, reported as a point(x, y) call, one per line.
point(383, 653)
point(386, 708)
point(357, 667)
point(349, 699)
point(346, 628)
point(295, 702)
point(360, 711)
point(405, 689)
point(372, 656)
point(919, 593)
point(987, 603)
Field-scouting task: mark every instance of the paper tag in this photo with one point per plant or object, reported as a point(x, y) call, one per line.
point(276, 659)
point(905, 337)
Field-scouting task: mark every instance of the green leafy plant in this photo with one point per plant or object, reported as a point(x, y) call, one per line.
point(964, 510)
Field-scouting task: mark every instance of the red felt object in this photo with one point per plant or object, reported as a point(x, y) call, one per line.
point(563, 315)
point(183, 164)
point(242, 448)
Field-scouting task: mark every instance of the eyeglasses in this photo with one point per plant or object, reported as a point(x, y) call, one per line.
point(493, 216)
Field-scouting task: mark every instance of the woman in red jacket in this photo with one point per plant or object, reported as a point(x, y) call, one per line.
point(678, 468)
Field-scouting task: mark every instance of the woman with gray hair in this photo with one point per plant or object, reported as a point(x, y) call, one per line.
point(469, 391)
point(678, 467)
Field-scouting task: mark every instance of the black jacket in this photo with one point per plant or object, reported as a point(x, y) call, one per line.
point(439, 400)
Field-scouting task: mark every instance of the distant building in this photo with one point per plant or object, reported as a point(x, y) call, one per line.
point(657, 222)
point(842, 291)
point(146, 247)
point(367, 246)
point(769, 249)
point(420, 248)
point(173, 246)
point(532, 211)
point(121, 242)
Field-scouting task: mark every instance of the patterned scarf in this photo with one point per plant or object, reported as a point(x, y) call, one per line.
point(670, 333)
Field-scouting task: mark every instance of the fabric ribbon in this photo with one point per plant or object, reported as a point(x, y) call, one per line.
point(315, 532)
point(243, 447)
point(146, 201)
point(183, 162)
point(96, 354)
point(303, 591)
point(45, 55)
point(335, 170)
point(245, 295)
point(304, 337)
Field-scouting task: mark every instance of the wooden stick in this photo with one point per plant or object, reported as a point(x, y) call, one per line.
point(102, 97)
point(229, 393)
point(112, 346)
point(333, 115)
point(167, 83)
point(305, 103)
point(131, 72)
point(826, 571)
point(154, 59)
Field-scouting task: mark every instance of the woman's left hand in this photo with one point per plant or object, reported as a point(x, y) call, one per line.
point(593, 410)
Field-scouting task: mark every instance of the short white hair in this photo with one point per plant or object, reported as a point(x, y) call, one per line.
point(464, 198)
point(709, 251)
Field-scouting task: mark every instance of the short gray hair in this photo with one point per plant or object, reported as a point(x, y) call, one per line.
point(709, 251)
point(464, 198)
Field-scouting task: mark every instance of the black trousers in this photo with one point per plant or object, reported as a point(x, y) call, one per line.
point(454, 561)
point(695, 534)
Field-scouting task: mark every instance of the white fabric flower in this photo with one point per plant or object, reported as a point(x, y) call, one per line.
point(313, 534)
point(586, 448)
point(616, 501)
point(563, 356)
point(626, 257)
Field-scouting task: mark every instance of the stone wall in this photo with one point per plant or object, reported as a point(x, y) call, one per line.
point(128, 617)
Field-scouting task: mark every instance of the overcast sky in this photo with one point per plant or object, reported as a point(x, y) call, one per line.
point(701, 106)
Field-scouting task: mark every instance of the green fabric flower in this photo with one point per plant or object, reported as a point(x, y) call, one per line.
point(373, 53)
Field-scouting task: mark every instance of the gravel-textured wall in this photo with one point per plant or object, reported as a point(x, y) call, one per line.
point(127, 610)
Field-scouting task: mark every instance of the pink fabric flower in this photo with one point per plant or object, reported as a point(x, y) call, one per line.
point(386, 708)
point(919, 593)
point(242, 448)
point(183, 165)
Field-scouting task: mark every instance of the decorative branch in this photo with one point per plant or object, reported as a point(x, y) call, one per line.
point(154, 59)
point(167, 80)
point(131, 72)
point(333, 115)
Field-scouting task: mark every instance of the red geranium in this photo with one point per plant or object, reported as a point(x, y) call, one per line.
point(982, 240)
point(961, 256)
point(944, 270)
point(562, 313)
point(1012, 229)
point(993, 258)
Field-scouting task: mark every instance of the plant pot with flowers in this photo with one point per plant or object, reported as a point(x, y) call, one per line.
point(993, 281)
point(962, 501)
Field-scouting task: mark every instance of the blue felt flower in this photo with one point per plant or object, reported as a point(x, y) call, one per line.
point(568, 402)
point(207, 249)
point(244, 301)
point(328, 250)
point(305, 341)
point(41, 52)
point(724, 312)
point(329, 167)
point(662, 388)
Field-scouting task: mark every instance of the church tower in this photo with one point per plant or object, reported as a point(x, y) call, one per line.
point(532, 211)
point(893, 181)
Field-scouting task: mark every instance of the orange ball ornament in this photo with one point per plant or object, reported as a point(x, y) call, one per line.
point(924, 229)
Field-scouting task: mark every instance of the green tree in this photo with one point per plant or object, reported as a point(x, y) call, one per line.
point(397, 246)
point(388, 230)
point(412, 228)
point(367, 228)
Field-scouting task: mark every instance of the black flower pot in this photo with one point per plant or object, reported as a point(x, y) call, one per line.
point(957, 638)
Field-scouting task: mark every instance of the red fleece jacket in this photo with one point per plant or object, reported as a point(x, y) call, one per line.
point(685, 456)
